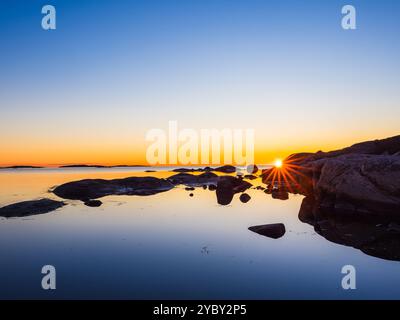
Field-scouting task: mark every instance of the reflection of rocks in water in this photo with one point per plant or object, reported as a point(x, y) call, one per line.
point(227, 186)
point(29, 208)
point(274, 231)
point(373, 235)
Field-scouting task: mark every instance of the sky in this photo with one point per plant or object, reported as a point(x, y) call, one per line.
point(89, 91)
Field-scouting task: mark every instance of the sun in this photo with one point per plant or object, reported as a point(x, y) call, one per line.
point(278, 163)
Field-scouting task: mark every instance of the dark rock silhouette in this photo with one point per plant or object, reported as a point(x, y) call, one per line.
point(194, 180)
point(227, 186)
point(226, 169)
point(250, 177)
point(21, 167)
point(244, 197)
point(29, 208)
point(280, 194)
point(93, 203)
point(97, 188)
point(274, 231)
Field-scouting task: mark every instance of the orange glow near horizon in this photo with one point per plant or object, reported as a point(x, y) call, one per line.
point(111, 152)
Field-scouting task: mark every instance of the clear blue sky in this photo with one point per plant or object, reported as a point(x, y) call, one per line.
point(114, 69)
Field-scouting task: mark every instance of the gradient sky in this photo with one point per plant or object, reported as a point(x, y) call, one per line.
point(89, 91)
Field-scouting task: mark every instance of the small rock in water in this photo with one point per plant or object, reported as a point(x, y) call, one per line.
point(227, 186)
point(244, 197)
point(212, 187)
point(250, 177)
point(226, 169)
point(191, 195)
point(29, 208)
point(189, 188)
point(279, 194)
point(93, 203)
point(274, 231)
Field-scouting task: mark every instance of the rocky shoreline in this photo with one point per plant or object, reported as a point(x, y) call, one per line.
point(352, 195)
point(363, 178)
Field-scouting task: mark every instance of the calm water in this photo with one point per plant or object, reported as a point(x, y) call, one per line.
point(171, 246)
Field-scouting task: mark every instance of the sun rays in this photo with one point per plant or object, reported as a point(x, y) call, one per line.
point(286, 175)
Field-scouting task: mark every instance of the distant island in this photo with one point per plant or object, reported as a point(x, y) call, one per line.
point(22, 167)
point(78, 166)
point(102, 166)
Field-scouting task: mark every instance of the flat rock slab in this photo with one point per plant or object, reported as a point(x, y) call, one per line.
point(274, 231)
point(97, 188)
point(192, 180)
point(29, 208)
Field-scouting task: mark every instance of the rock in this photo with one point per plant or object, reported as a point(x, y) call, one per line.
point(189, 188)
point(363, 178)
point(226, 169)
point(280, 194)
point(97, 188)
point(184, 170)
point(250, 177)
point(227, 186)
point(191, 195)
point(274, 231)
point(244, 197)
point(212, 187)
point(93, 203)
point(192, 180)
point(29, 208)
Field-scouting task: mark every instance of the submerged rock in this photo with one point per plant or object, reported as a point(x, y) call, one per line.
point(93, 203)
point(29, 208)
point(96, 188)
point(274, 231)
